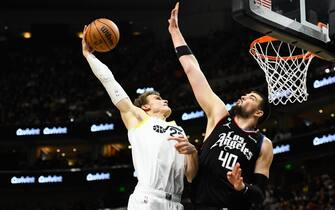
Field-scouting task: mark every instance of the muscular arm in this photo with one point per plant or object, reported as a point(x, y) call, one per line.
point(254, 192)
point(264, 160)
point(212, 105)
point(185, 147)
point(191, 166)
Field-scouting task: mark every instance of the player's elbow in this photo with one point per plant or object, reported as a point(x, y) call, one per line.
point(190, 177)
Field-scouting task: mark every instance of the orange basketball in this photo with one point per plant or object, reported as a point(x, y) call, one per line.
point(102, 35)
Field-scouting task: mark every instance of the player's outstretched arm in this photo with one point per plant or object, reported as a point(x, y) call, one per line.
point(265, 158)
point(207, 99)
point(130, 113)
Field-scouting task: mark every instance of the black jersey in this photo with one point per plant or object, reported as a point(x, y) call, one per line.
point(224, 147)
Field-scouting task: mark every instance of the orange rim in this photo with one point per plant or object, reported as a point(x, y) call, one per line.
point(265, 39)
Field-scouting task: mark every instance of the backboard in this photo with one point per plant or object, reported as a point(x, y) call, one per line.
point(303, 23)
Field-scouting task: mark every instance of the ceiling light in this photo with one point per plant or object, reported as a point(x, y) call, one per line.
point(26, 35)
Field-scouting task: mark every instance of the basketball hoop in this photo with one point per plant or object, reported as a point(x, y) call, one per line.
point(285, 67)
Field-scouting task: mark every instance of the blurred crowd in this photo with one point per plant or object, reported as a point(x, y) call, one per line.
point(51, 82)
point(302, 185)
point(318, 193)
point(22, 158)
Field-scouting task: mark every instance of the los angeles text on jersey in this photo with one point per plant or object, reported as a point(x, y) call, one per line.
point(231, 141)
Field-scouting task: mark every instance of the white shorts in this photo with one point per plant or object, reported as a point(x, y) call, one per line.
point(153, 200)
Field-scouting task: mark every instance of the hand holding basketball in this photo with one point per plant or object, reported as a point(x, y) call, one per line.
point(102, 35)
point(85, 47)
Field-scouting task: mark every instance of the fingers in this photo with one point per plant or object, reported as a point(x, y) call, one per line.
point(83, 38)
point(180, 138)
point(238, 174)
point(176, 7)
point(181, 145)
point(86, 49)
point(236, 167)
point(173, 21)
point(185, 148)
point(84, 31)
point(235, 176)
point(229, 177)
point(174, 12)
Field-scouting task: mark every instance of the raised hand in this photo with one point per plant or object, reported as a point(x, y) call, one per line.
point(173, 21)
point(235, 178)
point(86, 48)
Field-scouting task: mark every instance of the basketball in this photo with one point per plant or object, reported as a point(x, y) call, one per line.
point(102, 35)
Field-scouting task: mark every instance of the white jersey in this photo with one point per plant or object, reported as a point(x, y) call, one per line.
point(157, 163)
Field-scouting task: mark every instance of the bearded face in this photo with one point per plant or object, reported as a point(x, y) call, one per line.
point(247, 105)
point(239, 110)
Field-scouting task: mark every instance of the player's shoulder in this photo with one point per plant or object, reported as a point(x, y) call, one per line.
point(266, 140)
point(267, 146)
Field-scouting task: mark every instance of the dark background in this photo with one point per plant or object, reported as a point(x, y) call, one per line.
point(46, 82)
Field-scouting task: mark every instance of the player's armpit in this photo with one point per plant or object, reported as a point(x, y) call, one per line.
point(134, 117)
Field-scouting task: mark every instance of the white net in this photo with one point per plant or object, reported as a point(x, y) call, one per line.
point(285, 75)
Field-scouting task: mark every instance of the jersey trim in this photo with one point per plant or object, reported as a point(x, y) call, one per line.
point(142, 122)
point(246, 131)
point(260, 143)
point(172, 122)
point(217, 124)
